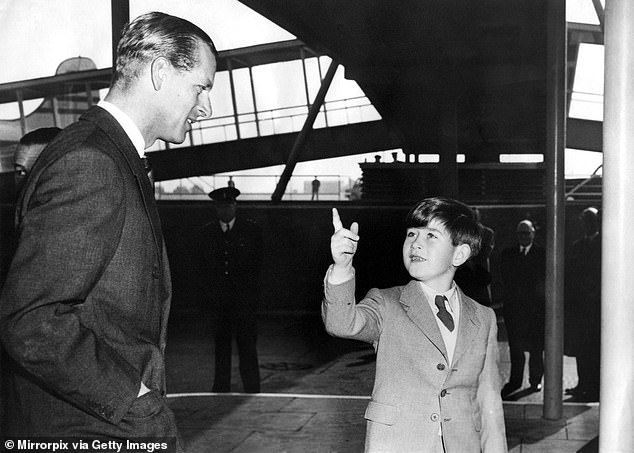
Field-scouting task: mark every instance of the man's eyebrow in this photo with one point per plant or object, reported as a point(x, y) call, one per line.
point(207, 84)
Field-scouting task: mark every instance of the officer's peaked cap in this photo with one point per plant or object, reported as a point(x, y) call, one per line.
point(226, 194)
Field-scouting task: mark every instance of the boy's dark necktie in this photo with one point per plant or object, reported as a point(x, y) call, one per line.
point(443, 314)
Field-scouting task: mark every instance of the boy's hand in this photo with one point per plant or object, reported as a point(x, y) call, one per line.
point(343, 243)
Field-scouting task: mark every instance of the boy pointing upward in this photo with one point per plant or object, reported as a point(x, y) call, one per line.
point(437, 385)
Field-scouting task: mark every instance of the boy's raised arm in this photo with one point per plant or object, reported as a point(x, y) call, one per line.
point(343, 246)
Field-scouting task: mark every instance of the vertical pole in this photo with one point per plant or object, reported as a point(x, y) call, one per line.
point(448, 166)
point(617, 285)
point(20, 98)
point(120, 15)
point(321, 78)
point(55, 108)
point(255, 104)
point(306, 93)
point(555, 208)
point(303, 134)
point(233, 98)
point(89, 95)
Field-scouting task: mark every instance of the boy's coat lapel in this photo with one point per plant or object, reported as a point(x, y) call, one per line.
point(415, 304)
point(467, 328)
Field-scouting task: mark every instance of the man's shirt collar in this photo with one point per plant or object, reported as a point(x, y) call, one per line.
point(131, 129)
point(224, 225)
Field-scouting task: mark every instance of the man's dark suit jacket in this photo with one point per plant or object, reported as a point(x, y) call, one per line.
point(583, 297)
point(524, 299)
point(84, 308)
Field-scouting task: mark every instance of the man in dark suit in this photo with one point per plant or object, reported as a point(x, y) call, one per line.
point(583, 308)
point(523, 269)
point(84, 309)
point(231, 254)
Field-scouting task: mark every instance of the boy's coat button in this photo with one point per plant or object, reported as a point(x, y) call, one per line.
point(440, 366)
point(434, 417)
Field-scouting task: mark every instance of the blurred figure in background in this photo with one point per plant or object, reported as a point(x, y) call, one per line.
point(26, 153)
point(474, 276)
point(316, 184)
point(28, 150)
point(583, 307)
point(523, 269)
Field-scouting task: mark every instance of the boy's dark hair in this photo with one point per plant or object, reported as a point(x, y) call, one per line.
point(458, 218)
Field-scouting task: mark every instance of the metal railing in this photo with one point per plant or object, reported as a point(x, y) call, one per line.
point(576, 188)
point(276, 121)
point(256, 187)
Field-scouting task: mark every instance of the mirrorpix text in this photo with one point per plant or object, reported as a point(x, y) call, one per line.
point(84, 445)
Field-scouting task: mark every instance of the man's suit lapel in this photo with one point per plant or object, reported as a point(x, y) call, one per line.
point(415, 303)
point(126, 149)
point(467, 328)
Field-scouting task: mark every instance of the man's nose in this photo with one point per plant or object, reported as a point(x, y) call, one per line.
point(204, 109)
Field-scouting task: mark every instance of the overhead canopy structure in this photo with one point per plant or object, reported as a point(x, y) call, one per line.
point(434, 66)
point(444, 74)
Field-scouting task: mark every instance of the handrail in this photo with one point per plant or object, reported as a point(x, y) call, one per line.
point(585, 181)
point(333, 187)
point(272, 116)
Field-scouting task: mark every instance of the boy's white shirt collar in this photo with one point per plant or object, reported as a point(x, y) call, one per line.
point(450, 294)
point(449, 338)
point(131, 129)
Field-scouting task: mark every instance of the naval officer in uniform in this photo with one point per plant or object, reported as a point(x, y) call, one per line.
point(231, 247)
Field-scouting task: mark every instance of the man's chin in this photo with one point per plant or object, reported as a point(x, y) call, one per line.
point(175, 140)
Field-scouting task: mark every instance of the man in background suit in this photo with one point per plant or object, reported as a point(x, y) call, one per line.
point(523, 269)
point(474, 276)
point(84, 309)
point(583, 308)
point(230, 266)
point(26, 153)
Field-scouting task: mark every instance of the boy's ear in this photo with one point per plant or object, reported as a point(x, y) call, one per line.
point(461, 254)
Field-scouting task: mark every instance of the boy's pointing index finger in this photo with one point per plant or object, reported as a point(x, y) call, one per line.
point(336, 220)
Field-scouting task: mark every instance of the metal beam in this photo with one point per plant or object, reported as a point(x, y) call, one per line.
point(304, 134)
point(233, 99)
point(120, 15)
point(265, 151)
point(598, 8)
point(617, 285)
point(72, 82)
point(555, 208)
point(18, 95)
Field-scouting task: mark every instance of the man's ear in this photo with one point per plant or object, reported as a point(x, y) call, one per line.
point(159, 71)
point(461, 254)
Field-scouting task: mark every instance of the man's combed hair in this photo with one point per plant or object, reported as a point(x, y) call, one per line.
point(154, 35)
point(458, 218)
